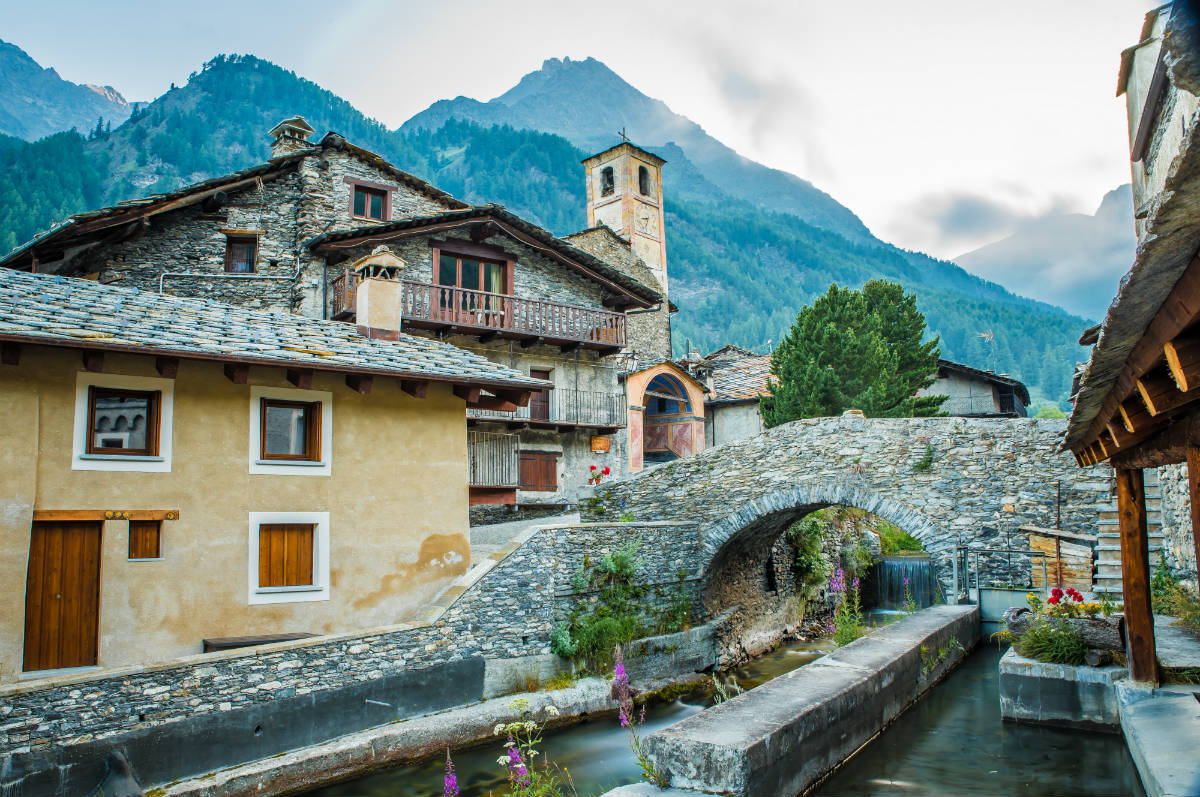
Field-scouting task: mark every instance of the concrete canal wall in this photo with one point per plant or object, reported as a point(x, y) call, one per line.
point(785, 735)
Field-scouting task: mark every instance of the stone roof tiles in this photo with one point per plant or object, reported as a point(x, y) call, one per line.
point(62, 311)
point(738, 374)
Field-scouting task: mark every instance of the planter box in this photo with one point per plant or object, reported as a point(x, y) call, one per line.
point(1058, 694)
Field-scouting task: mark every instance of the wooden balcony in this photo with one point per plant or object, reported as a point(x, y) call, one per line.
point(491, 315)
point(493, 459)
point(565, 409)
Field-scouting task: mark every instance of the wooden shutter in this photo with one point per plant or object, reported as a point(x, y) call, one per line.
point(62, 596)
point(539, 471)
point(145, 539)
point(285, 554)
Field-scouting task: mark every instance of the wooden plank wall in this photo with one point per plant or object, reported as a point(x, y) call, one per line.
point(1075, 561)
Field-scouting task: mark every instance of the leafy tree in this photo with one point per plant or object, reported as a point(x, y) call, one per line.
point(1049, 411)
point(854, 349)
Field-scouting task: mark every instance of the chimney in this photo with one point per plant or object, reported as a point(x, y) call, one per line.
point(378, 296)
point(289, 136)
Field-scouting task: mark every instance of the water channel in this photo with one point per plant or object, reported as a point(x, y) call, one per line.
point(952, 742)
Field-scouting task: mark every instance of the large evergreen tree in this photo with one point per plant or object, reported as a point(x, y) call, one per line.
point(854, 349)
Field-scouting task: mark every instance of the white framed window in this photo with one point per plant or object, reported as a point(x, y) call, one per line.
point(291, 431)
point(289, 557)
point(122, 423)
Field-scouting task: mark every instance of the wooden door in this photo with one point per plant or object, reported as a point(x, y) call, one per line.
point(539, 402)
point(62, 596)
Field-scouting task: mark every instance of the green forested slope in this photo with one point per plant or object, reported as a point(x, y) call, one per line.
point(738, 272)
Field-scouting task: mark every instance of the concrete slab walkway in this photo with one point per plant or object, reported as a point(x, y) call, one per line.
point(486, 540)
point(1162, 729)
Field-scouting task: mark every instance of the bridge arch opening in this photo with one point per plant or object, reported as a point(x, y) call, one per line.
point(763, 560)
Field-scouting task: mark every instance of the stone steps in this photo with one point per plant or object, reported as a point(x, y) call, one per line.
point(1107, 574)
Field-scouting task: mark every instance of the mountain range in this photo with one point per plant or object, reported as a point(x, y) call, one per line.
point(747, 245)
point(35, 102)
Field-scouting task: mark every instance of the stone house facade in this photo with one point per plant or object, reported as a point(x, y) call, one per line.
point(298, 233)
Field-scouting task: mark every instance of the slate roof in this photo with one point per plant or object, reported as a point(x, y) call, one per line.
point(988, 376)
point(90, 224)
point(62, 311)
point(738, 374)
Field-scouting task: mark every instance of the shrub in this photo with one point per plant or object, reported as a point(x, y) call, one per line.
point(893, 541)
point(811, 568)
point(1053, 641)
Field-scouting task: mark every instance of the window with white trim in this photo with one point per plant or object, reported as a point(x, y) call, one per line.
point(289, 557)
point(291, 431)
point(122, 423)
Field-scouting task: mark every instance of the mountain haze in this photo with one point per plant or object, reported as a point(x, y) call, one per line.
point(739, 271)
point(36, 102)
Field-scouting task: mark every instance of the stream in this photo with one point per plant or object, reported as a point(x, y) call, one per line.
point(595, 751)
point(952, 742)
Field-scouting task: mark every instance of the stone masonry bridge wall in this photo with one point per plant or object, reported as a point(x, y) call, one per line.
point(985, 478)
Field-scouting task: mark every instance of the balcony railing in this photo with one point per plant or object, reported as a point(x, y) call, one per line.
point(483, 313)
point(494, 459)
point(573, 407)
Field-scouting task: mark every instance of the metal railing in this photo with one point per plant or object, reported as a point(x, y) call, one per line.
point(581, 407)
point(493, 459)
point(445, 305)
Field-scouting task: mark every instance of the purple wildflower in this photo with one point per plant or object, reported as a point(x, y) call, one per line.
point(516, 766)
point(906, 581)
point(621, 688)
point(450, 783)
point(837, 585)
point(856, 583)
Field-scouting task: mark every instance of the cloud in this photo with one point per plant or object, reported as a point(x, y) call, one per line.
point(1074, 260)
point(782, 119)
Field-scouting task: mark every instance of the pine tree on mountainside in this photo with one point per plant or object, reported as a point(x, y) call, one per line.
point(854, 349)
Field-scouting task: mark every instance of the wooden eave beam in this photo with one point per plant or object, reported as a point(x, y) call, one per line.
point(93, 360)
point(468, 393)
point(1183, 361)
point(518, 397)
point(238, 373)
point(493, 403)
point(359, 383)
point(415, 387)
point(300, 377)
point(1160, 394)
point(167, 367)
point(1134, 415)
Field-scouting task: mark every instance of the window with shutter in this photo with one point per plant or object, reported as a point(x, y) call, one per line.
point(145, 539)
point(539, 471)
point(285, 555)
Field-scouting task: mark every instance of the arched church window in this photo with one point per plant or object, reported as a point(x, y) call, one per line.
point(644, 181)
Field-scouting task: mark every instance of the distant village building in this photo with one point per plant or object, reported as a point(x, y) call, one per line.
point(180, 475)
point(328, 230)
point(736, 379)
point(972, 393)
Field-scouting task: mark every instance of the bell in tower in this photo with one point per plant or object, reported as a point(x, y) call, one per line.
point(624, 192)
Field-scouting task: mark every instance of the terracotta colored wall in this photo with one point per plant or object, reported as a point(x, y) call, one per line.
point(397, 500)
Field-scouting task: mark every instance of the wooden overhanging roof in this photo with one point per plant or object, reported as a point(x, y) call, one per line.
point(112, 223)
point(624, 290)
point(1143, 375)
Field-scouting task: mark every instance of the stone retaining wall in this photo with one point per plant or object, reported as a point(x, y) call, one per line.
point(1178, 545)
point(257, 702)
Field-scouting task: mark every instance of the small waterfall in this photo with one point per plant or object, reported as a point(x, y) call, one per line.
point(889, 574)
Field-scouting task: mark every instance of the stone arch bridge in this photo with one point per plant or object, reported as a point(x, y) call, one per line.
point(946, 481)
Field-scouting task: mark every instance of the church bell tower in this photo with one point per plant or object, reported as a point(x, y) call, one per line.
point(624, 192)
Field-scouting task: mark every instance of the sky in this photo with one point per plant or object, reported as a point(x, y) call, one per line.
point(944, 125)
